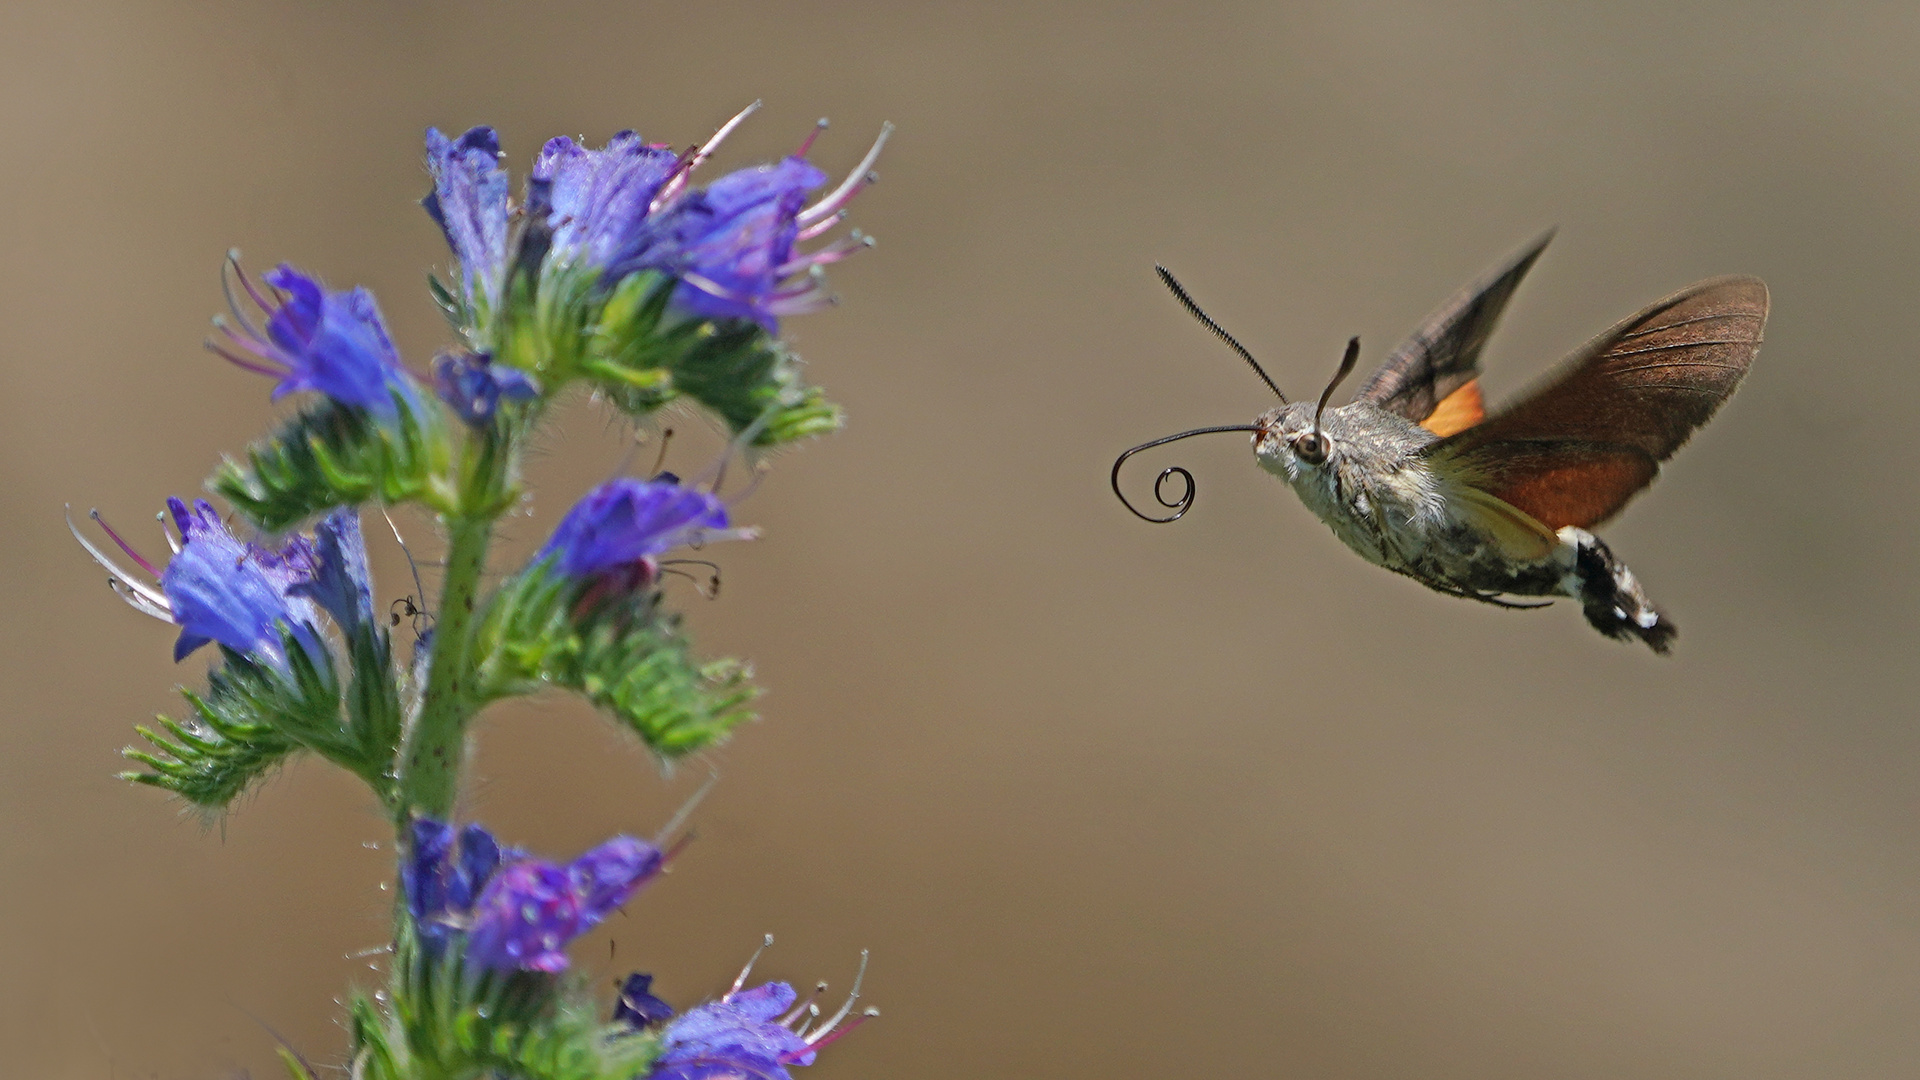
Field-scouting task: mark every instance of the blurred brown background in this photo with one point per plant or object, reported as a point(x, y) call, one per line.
point(1105, 799)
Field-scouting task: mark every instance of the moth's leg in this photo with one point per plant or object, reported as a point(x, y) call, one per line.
point(1446, 588)
point(1608, 592)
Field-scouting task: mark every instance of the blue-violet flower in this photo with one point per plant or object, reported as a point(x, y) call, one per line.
point(625, 524)
point(629, 206)
point(329, 341)
point(216, 588)
point(474, 385)
point(469, 203)
point(516, 912)
point(597, 201)
point(755, 1033)
point(339, 582)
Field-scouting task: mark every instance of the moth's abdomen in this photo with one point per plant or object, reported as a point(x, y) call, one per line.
point(1611, 596)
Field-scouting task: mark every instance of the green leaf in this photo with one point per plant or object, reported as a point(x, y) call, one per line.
point(622, 652)
point(337, 455)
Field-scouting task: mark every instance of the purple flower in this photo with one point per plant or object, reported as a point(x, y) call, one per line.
point(469, 203)
point(732, 244)
point(525, 918)
point(597, 201)
point(474, 385)
point(629, 207)
point(636, 1006)
point(443, 874)
point(518, 913)
point(753, 1034)
point(340, 583)
point(626, 523)
point(216, 588)
point(327, 341)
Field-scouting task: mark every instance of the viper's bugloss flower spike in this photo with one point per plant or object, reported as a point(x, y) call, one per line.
point(218, 589)
point(757, 1032)
point(469, 203)
point(473, 385)
point(627, 523)
point(518, 913)
point(329, 341)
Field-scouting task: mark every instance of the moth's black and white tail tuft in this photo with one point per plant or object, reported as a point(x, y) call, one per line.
point(1613, 600)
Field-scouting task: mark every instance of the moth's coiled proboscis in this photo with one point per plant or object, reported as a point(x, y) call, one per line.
point(1181, 505)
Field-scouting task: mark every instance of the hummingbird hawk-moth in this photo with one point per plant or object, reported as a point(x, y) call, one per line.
point(1415, 475)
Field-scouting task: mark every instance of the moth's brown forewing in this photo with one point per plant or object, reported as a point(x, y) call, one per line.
point(1575, 450)
point(1431, 378)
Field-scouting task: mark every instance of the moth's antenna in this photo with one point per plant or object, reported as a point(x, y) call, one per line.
point(1346, 368)
point(1184, 503)
point(1193, 309)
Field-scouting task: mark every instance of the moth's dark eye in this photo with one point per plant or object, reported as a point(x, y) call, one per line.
point(1312, 447)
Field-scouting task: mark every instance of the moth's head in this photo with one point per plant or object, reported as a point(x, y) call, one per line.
point(1303, 436)
point(1297, 438)
point(1291, 440)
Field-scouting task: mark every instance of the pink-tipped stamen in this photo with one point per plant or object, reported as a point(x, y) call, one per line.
point(680, 845)
point(243, 364)
point(233, 302)
point(708, 285)
point(806, 306)
point(130, 592)
point(755, 958)
point(853, 996)
point(861, 175)
point(806, 144)
point(674, 182)
point(144, 598)
point(678, 182)
point(823, 225)
point(813, 1013)
point(124, 546)
point(706, 149)
point(686, 810)
point(826, 256)
point(820, 1043)
point(818, 989)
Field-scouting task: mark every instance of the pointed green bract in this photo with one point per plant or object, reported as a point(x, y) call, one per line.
point(444, 1020)
point(623, 652)
point(642, 355)
point(254, 715)
point(335, 455)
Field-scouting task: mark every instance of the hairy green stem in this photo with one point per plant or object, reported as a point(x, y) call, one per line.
point(430, 764)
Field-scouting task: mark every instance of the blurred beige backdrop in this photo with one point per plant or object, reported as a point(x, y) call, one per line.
point(1104, 799)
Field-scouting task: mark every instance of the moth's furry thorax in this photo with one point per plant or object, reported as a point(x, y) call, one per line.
point(1375, 490)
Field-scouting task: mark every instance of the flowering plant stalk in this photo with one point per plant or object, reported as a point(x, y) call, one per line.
point(615, 271)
